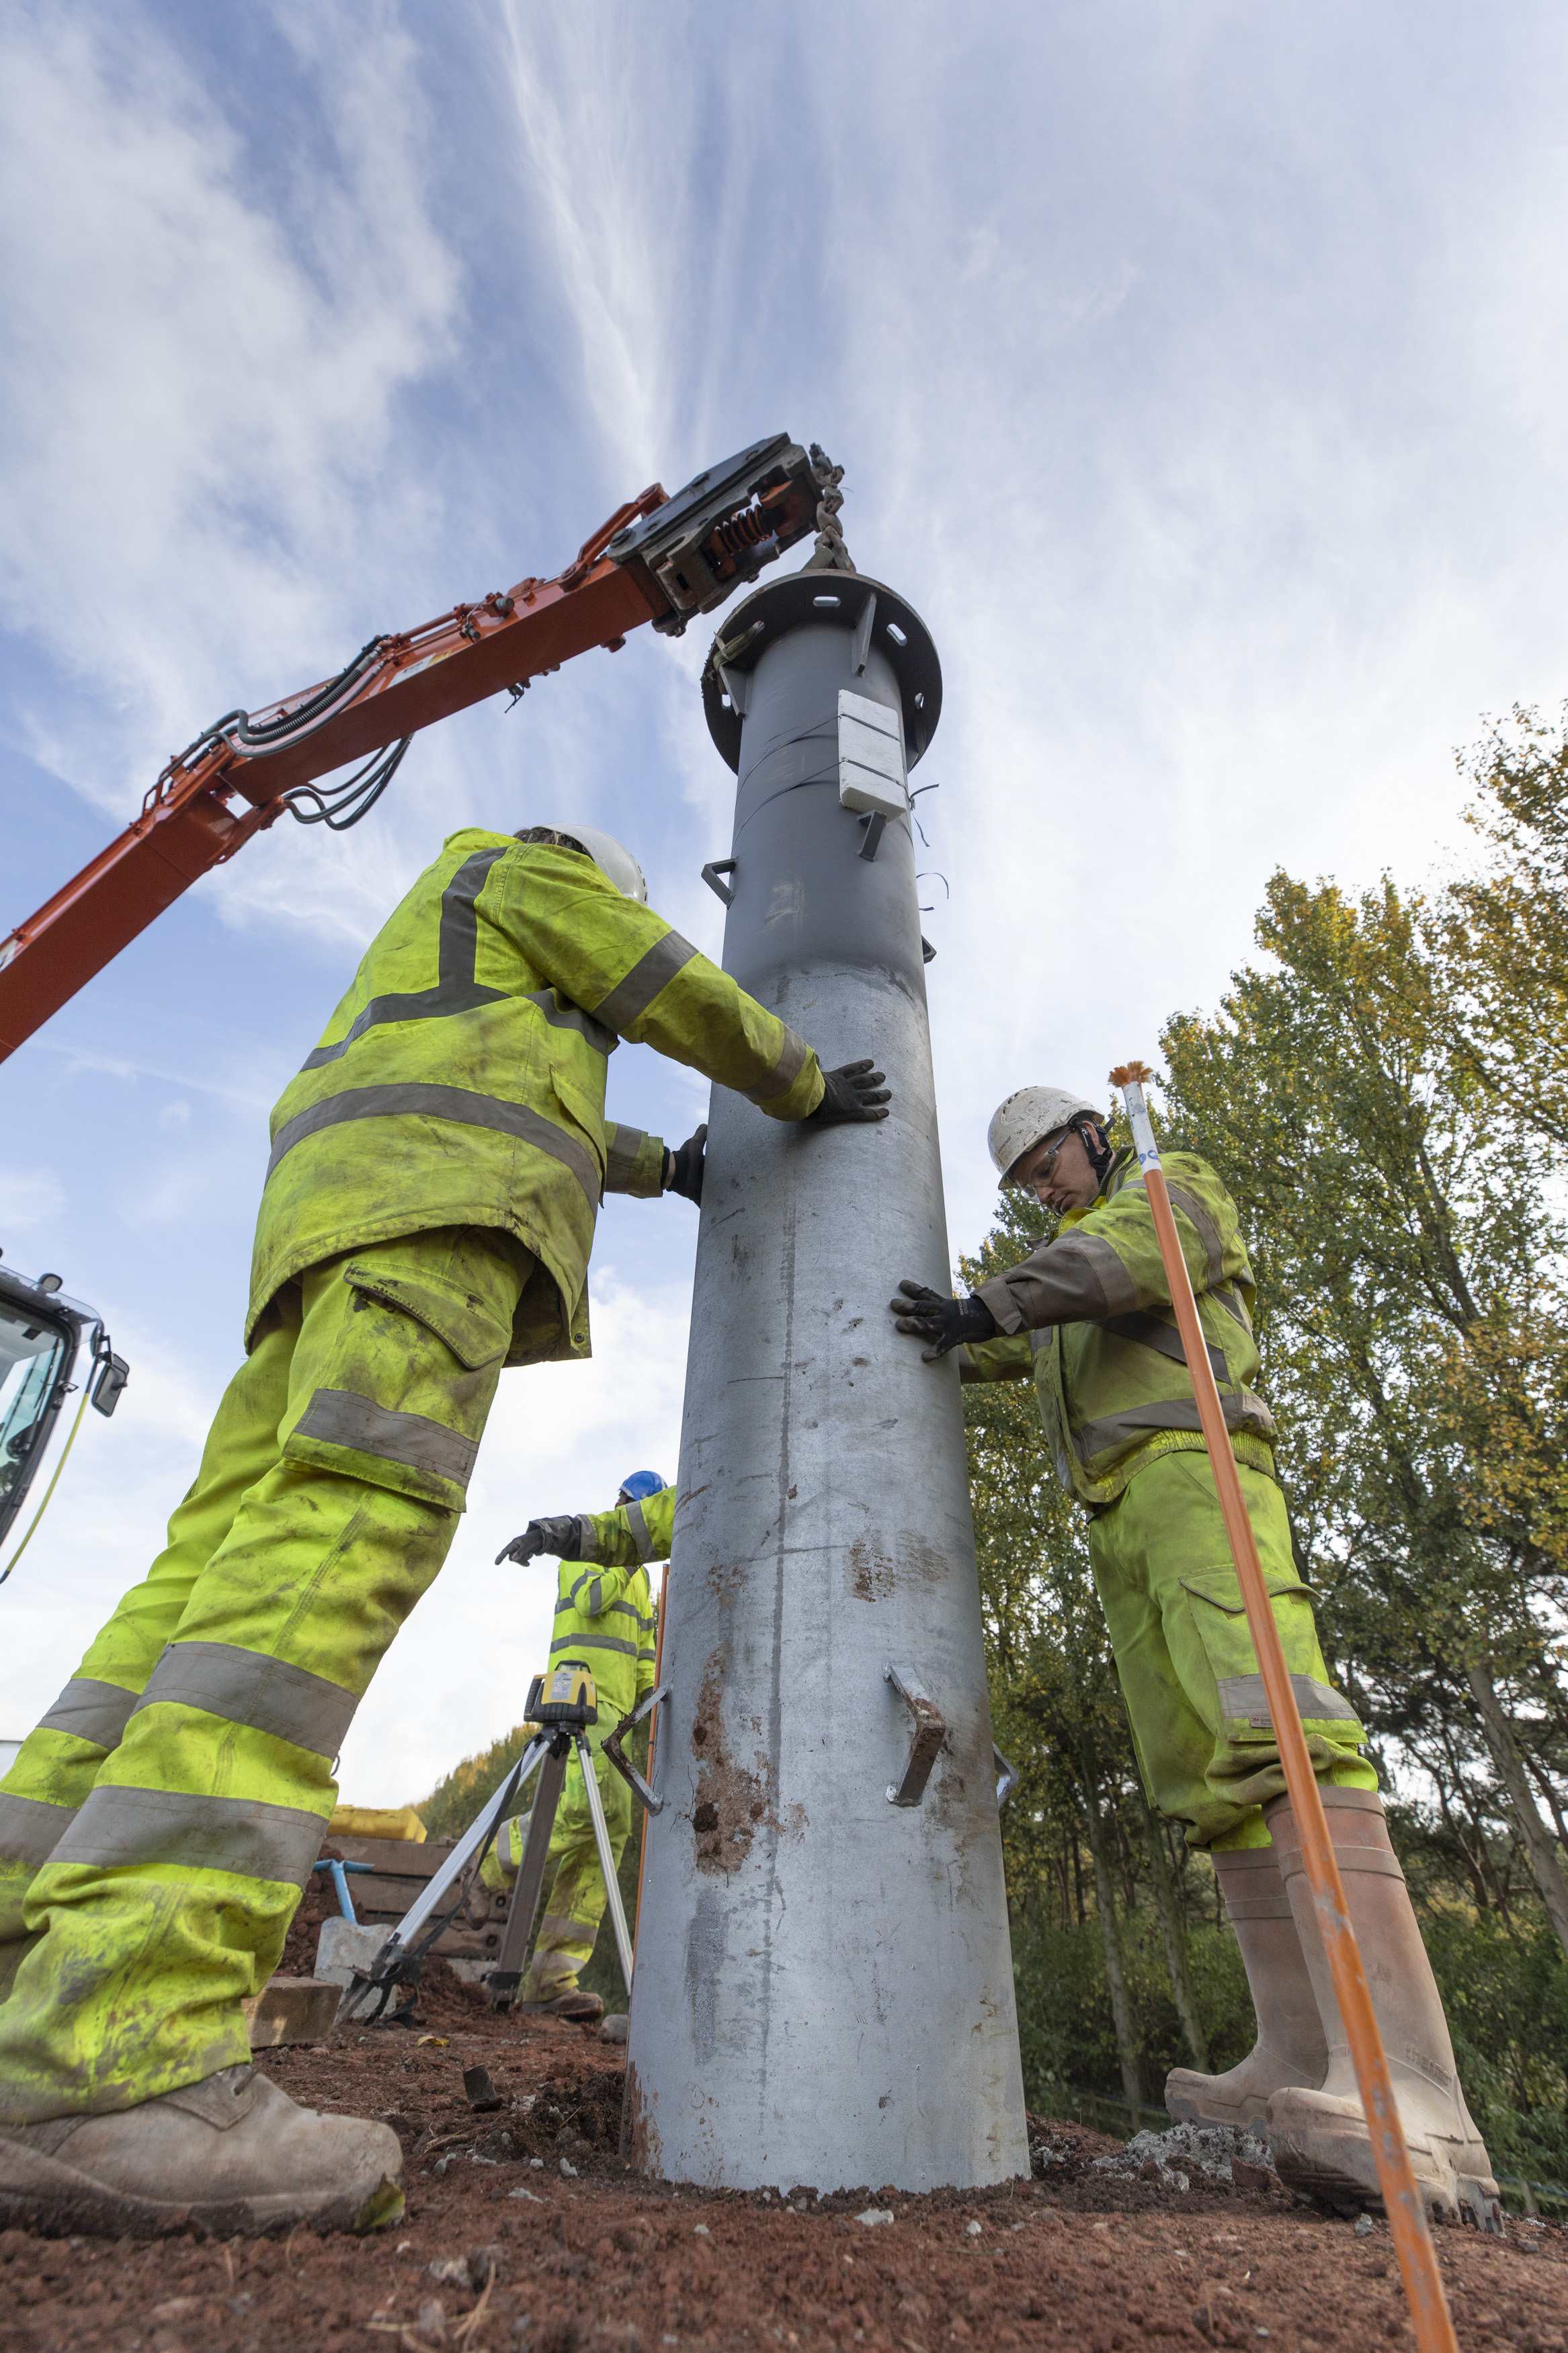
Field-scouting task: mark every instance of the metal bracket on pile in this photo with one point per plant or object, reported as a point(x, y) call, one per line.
point(617, 1754)
point(1006, 1776)
point(711, 873)
point(931, 1731)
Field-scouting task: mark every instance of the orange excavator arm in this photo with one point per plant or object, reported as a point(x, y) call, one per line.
point(658, 559)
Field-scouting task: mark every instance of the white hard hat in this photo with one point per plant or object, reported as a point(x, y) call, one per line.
point(612, 858)
point(1019, 1124)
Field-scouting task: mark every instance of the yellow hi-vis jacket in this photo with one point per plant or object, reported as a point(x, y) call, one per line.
point(461, 1081)
point(1091, 1314)
point(604, 1614)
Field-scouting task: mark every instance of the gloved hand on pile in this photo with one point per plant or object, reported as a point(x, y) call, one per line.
point(925, 1314)
point(560, 1536)
point(854, 1091)
point(683, 1169)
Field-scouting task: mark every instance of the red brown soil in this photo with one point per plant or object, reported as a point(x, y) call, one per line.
point(601, 2259)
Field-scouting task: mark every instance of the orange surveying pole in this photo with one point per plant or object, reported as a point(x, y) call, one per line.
point(1401, 2198)
point(652, 1736)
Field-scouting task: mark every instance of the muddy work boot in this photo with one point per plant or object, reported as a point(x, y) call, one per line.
point(233, 2153)
point(1289, 2050)
point(572, 2003)
point(1319, 2139)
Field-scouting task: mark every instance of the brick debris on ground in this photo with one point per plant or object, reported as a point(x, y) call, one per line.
point(524, 2231)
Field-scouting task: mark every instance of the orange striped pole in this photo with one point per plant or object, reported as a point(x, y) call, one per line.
point(652, 1736)
point(1401, 2197)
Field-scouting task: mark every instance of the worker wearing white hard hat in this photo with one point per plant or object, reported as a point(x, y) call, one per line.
point(1089, 1315)
point(426, 1218)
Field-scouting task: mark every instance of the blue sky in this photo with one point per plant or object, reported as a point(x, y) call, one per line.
point(1197, 369)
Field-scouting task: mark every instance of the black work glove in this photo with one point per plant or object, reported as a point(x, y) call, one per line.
point(947, 1324)
point(560, 1536)
point(683, 1169)
point(854, 1090)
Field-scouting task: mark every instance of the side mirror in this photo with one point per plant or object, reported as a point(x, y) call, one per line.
point(114, 1374)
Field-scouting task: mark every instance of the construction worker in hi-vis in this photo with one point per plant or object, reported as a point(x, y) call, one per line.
point(429, 1212)
point(1089, 1315)
point(604, 1616)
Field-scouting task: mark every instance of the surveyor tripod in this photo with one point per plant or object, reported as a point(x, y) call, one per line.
point(559, 1724)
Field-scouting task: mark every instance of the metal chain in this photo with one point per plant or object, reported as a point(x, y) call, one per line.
point(829, 554)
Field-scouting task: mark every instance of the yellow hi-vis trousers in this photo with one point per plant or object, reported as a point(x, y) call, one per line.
point(1173, 1605)
point(576, 1903)
point(159, 1872)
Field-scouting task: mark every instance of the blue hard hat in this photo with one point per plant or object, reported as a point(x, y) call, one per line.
point(641, 1484)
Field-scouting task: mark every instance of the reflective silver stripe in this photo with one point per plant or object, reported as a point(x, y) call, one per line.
point(561, 1014)
point(247, 1687)
point(414, 1098)
point(1169, 1413)
point(1207, 1231)
point(650, 974)
point(1151, 1331)
point(594, 1642)
point(640, 1536)
point(343, 1418)
point(127, 1826)
point(622, 1147)
point(569, 1609)
point(456, 990)
point(1226, 1296)
point(508, 1852)
point(1243, 1695)
point(784, 1071)
point(92, 1711)
point(649, 1654)
point(29, 1830)
point(594, 1604)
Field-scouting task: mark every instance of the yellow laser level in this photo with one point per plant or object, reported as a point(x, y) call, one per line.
point(572, 1705)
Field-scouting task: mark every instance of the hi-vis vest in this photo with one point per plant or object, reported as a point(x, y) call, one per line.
point(461, 1081)
point(606, 1613)
point(1115, 1391)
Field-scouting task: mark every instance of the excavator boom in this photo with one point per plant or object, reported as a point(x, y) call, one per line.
point(657, 559)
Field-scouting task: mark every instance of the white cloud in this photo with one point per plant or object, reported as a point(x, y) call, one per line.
point(200, 388)
point(30, 1196)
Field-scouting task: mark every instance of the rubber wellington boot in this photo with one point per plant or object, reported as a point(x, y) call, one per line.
point(1319, 2139)
point(1289, 2049)
point(233, 2153)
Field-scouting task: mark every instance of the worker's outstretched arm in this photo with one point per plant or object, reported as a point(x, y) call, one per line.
point(626, 1538)
point(635, 975)
point(1106, 1263)
point(1109, 1262)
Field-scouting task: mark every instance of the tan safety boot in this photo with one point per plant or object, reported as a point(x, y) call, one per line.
point(1319, 2139)
point(1291, 2049)
point(572, 2003)
point(233, 2153)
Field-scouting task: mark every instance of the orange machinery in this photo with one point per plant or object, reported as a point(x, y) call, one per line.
point(658, 559)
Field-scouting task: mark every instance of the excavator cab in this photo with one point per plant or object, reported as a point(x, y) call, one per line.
point(42, 1333)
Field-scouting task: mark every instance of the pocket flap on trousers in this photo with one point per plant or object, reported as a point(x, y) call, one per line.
point(1222, 1587)
point(474, 1336)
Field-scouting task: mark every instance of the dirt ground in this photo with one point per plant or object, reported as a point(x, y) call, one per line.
point(523, 2233)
